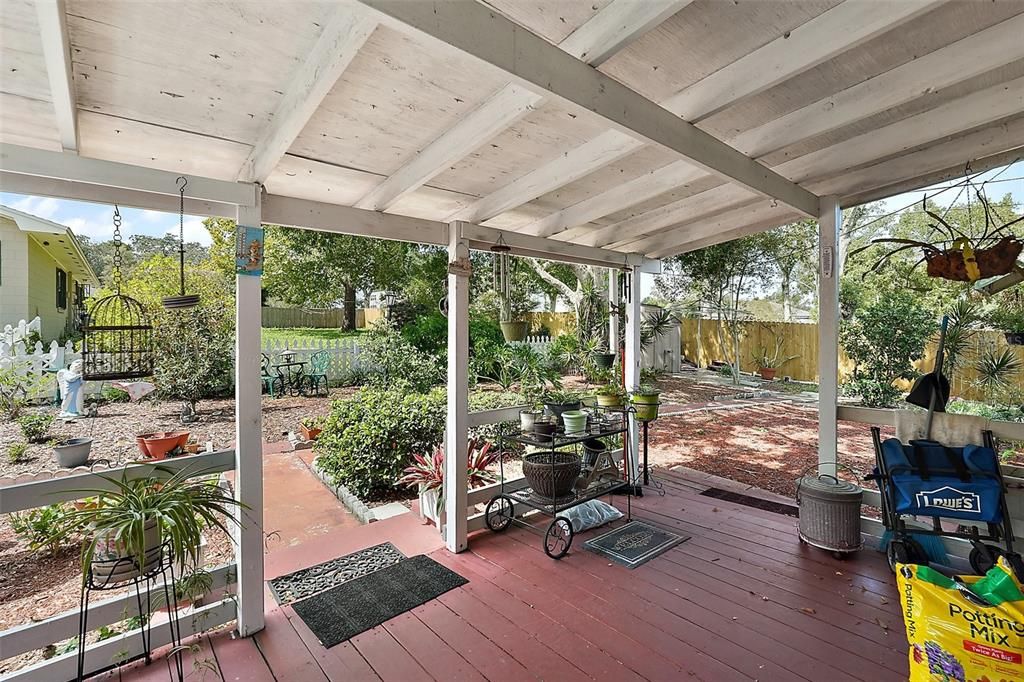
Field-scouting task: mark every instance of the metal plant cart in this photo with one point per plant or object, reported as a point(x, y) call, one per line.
point(598, 478)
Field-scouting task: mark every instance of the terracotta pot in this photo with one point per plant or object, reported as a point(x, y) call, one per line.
point(159, 444)
point(310, 433)
point(767, 373)
point(514, 331)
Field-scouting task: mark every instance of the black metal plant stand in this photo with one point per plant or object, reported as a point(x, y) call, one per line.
point(602, 478)
point(164, 568)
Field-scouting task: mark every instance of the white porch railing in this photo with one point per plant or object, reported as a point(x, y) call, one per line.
point(1013, 475)
point(30, 636)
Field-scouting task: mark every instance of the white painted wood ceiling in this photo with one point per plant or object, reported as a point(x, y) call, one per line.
point(858, 98)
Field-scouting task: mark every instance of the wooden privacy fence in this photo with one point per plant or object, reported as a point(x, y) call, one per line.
point(801, 339)
point(317, 318)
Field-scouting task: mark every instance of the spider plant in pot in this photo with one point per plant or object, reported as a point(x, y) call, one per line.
point(427, 475)
point(610, 395)
point(556, 402)
point(134, 517)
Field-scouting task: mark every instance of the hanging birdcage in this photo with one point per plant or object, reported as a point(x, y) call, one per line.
point(117, 338)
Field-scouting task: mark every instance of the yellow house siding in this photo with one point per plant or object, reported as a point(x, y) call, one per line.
point(42, 292)
point(13, 274)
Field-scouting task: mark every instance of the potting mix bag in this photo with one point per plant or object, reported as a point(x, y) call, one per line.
point(965, 630)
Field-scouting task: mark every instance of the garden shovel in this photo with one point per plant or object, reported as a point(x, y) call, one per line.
point(931, 391)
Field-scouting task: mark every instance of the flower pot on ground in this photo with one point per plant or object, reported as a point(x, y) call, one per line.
point(575, 422)
point(646, 401)
point(159, 444)
point(427, 475)
point(311, 428)
point(73, 452)
point(767, 373)
point(514, 330)
point(132, 519)
point(768, 363)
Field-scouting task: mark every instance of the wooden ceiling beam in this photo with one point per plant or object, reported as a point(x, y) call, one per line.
point(53, 34)
point(606, 148)
point(498, 112)
point(473, 29)
point(618, 24)
point(827, 35)
point(340, 42)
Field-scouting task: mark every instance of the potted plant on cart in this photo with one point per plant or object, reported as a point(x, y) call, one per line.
point(427, 475)
point(610, 395)
point(646, 400)
point(558, 401)
point(130, 522)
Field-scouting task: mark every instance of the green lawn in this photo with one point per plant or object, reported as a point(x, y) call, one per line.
point(291, 334)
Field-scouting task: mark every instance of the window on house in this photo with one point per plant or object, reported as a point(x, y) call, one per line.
point(62, 289)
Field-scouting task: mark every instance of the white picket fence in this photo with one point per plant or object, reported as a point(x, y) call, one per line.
point(39, 361)
point(345, 354)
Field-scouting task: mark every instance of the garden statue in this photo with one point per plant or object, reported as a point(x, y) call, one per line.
point(71, 393)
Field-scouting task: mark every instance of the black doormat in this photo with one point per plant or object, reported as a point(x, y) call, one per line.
point(635, 543)
point(344, 611)
point(756, 502)
point(309, 581)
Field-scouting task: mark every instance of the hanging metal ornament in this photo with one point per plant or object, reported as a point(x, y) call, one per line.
point(182, 300)
point(117, 338)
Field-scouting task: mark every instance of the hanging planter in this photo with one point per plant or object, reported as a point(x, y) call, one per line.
point(515, 330)
point(182, 300)
point(961, 256)
point(604, 360)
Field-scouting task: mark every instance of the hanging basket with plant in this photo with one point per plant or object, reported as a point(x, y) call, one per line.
point(964, 253)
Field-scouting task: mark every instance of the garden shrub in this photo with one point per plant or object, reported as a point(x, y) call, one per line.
point(194, 353)
point(35, 426)
point(484, 330)
point(38, 527)
point(884, 339)
point(15, 390)
point(397, 364)
point(1005, 413)
point(368, 439)
point(427, 333)
point(16, 452)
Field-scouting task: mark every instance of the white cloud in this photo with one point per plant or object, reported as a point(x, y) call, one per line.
point(41, 207)
point(194, 231)
point(153, 216)
point(97, 230)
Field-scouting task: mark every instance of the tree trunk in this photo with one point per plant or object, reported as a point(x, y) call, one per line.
point(787, 283)
point(348, 316)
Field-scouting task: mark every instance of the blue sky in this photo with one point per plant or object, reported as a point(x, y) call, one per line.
point(94, 220)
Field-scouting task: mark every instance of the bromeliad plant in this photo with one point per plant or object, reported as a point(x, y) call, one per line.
point(427, 473)
point(120, 524)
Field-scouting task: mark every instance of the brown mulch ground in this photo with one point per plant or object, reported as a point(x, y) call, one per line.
point(115, 428)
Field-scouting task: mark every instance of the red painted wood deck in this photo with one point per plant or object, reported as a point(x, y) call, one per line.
point(740, 600)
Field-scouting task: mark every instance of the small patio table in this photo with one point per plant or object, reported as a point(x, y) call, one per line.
point(293, 375)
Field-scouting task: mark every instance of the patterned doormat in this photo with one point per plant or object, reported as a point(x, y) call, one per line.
point(634, 543)
point(344, 611)
point(315, 579)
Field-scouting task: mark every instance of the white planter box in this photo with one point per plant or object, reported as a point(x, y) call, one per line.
point(428, 506)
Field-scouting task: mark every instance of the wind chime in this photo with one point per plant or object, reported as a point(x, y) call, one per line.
point(512, 329)
point(182, 300)
point(117, 341)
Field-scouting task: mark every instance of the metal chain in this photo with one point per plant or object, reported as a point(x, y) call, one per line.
point(182, 183)
point(117, 249)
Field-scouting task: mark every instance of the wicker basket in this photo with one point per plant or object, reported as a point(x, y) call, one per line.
point(552, 482)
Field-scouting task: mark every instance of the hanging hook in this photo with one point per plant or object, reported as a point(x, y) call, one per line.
point(182, 183)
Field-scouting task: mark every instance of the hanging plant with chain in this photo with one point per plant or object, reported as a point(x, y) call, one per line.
point(964, 253)
point(117, 338)
point(182, 300)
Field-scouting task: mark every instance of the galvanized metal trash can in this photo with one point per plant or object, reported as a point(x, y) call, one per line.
point(830, 513)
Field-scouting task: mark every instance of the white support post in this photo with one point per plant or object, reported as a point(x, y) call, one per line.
point(829, 220)
point(613, 317)
point(632, 363)
point(248, 442)
point(456, 489)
